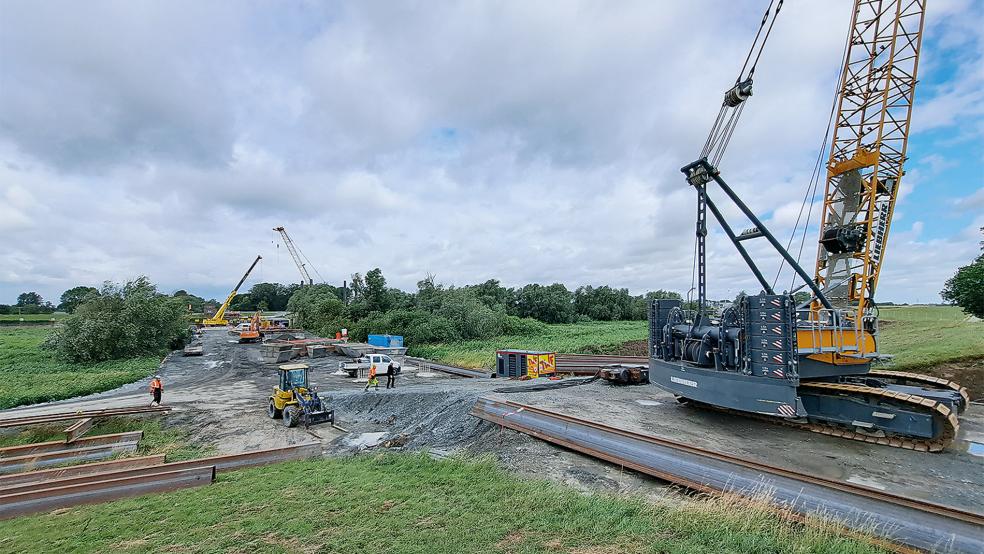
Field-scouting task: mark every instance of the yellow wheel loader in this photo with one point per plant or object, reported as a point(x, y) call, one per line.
point(296, 401)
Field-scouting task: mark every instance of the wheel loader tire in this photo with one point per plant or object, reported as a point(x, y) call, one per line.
point(291, 416)
point(273, 412)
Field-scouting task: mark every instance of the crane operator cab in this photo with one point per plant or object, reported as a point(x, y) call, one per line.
point(296, 401)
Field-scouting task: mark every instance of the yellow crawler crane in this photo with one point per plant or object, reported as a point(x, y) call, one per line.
point(810, 365)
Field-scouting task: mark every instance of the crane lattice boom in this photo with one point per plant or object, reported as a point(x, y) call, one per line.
point(305, 276)
point(874, 106)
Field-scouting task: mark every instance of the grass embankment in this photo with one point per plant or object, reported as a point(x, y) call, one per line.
point(937, 340)
point(572, 338)
point(409, 503)
point(921, 336)
point(157, 438)
point(29, 375)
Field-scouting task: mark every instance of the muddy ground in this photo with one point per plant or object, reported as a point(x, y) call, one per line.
point(969, 373)
point(221, 397)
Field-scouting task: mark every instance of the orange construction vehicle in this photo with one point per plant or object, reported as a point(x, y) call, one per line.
point(252, 333)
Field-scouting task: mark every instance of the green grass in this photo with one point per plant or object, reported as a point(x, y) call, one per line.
point(29, 375)
point(157, 438)
point(923, 336)
point(569, 338)
point(30, 319)
point(33, 317)
point(409, 504)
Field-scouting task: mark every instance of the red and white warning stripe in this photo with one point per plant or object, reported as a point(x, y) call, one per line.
point(776, 302)
point(777, 358)
point(778, 373)
point(777, 317)
point(787, 410)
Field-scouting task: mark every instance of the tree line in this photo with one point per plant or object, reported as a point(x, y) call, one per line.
point(442, 313)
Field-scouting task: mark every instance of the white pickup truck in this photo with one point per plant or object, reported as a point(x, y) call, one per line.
point(361, 365)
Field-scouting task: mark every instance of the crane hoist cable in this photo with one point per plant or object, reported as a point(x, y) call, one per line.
point(814, 183)
point(734, 98)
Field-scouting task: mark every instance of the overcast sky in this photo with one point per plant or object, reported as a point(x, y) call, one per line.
point(523, 141)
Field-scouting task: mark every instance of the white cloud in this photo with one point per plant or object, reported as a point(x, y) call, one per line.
point(518, 141)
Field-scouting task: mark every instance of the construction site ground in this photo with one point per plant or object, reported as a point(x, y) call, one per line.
point(220, 400)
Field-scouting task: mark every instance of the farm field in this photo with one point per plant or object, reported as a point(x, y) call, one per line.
point(31, 319)
point(411, 503)
point(29, 375)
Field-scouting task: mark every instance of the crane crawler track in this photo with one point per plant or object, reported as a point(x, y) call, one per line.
point(918, 378)
point(942, 413)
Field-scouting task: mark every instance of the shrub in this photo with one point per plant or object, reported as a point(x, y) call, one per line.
point(523, 326)
point(121, 322)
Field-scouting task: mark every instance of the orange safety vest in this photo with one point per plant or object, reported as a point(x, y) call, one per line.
point(372, 371)
point(155, 384)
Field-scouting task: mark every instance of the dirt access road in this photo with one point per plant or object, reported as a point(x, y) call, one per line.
point(220, 398)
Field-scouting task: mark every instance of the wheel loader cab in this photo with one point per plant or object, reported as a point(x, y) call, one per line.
point(290, 378)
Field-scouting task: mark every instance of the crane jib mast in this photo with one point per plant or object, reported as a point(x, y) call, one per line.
point(219, 317)
point(871, 131)
point(295, 254)
point(811, 364)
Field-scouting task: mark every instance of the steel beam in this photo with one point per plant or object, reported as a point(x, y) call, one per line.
point(58, 446)
point(77, 429)
point(42, 500)
point(65, 416)
point(43, 475)
point(913, 523)
point(34, 461)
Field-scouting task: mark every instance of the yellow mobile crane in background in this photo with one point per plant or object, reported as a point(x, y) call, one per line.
point(810, 365)
point(219, 318)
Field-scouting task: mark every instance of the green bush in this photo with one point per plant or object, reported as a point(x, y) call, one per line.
point(121, 322)
point(523, 326)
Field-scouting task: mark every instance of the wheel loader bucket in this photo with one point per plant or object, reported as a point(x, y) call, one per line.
point(325, 416)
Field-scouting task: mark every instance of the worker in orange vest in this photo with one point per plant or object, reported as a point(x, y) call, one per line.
point(156, 389)
point(372, 378)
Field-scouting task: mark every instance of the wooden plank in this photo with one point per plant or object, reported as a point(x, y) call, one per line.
point(77, 429)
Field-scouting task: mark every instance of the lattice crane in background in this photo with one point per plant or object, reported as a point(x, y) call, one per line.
point(811, 365)
point(294, 253)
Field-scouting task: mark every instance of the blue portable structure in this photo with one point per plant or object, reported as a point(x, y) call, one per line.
point(386, 341)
